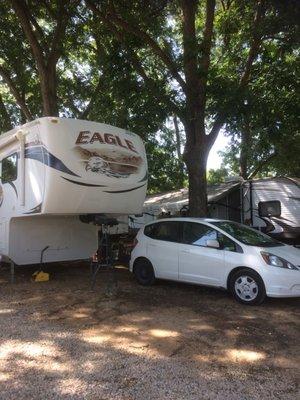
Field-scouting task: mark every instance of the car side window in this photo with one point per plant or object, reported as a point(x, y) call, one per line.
point(169, 231)
point(198, 234)
point(226, 243)
point(9, 171)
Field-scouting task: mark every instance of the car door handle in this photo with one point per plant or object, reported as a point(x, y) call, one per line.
point(186, 251)
point(152, 245)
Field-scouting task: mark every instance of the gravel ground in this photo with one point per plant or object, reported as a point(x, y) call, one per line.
point(60, 340)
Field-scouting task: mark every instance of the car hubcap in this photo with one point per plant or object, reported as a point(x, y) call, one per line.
point(246, 288)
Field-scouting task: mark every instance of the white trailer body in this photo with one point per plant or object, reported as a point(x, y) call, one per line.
point(238, 201)
point(285, 190)
point(52, 171)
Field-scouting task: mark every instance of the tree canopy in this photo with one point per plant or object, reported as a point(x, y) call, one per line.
point(175, 72)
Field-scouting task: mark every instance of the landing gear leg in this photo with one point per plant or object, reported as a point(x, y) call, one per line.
point(12, 272)
point(103, 260)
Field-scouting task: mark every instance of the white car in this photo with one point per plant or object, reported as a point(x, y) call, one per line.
point(219, 253)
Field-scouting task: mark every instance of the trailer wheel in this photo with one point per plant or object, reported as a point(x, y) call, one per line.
point(144, 272)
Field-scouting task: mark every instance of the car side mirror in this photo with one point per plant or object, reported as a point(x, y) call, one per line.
point(269, 208)
point(215, 244)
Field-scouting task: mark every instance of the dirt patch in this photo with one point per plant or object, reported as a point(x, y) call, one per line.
point(60, 340)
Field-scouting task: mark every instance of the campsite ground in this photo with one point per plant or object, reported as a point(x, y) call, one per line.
point(60, 340)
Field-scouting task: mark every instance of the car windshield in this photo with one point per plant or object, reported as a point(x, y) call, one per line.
point(247, 235)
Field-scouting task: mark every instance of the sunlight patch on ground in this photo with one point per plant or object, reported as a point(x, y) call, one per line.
point(27, 349)
point(96, 338)
point(6, 311)
point(79, 315)
point(71, 386)
point(4, 376)
point(42, 355)
point(163, 333)
point(248, 317)
point(153, 342)
point(231, 356)
point(201, 327)
point(244, 355)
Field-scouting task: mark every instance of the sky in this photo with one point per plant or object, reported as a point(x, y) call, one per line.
point(214, 160)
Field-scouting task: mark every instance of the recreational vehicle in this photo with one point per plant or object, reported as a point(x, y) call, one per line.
point(53, 172)
point(271, 205)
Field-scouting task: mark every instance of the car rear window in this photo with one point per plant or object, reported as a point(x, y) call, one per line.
point(170, 231)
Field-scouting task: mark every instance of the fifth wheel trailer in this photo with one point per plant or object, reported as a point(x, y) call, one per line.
point(55, 170)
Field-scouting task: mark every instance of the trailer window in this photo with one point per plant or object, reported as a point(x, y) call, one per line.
point(9, 168)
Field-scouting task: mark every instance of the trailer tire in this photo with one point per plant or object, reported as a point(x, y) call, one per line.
point(144, 272)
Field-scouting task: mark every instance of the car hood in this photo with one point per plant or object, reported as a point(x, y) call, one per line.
point(289, 253)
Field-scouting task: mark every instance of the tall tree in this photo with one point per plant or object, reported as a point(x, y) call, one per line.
point(264, 125)
point(46, 39)
point(184, 48)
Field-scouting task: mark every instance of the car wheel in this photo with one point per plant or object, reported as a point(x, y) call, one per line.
point(247, 287)
point(144, 273)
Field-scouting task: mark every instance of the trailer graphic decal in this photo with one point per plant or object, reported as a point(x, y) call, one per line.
point(82, 183)
point(88, 137)
point(35, 210)
point(14, 187)
point(145, 178)
point(2, 191)
point(41, 154)
point(114, 163)
point(123, 191)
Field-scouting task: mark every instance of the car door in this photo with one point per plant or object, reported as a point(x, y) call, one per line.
point(163, 241)
point(199, 263)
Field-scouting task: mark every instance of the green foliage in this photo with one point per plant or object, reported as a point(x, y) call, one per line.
point(215, 176)
point(166, 171)
point(114, 77)
point(269, 107)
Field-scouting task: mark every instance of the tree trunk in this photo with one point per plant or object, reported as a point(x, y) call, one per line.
point(49, 91)
point(195, 158)
point(197, 185)
point(244, 154)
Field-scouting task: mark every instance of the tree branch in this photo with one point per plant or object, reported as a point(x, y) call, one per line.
point(244, 80)
point(217, 125)
point(189, 8)
point(75, 110)
point(60, 29)
point(255, 45)
point(136, 31)
point(94, 95)
point(133, 58)
point(206, 45)
point(38, 30)
point(7, 124)
point(14, 91)
point(22, 12)
point(261, 165)
point(136, 62)
point(177, 135)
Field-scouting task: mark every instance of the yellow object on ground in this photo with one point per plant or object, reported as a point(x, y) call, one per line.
point(40, 276)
